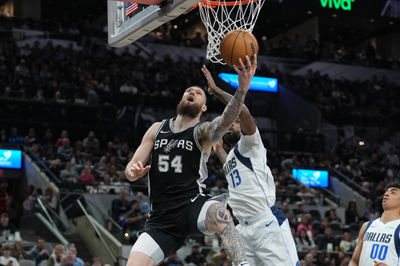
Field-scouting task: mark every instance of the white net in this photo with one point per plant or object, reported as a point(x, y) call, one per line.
point(221, 17)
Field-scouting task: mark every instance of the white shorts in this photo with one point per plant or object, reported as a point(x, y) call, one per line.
point(268, 241)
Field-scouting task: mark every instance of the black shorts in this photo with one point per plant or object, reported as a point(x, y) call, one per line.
point(169, 227)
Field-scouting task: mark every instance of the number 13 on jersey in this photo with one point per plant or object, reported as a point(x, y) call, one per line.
point(236, 180)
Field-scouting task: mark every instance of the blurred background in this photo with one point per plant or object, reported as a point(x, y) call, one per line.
point(73, 110)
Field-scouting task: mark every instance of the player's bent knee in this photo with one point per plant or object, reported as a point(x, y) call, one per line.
point(218, 217)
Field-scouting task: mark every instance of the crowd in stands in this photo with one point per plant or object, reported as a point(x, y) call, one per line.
point(343, 101)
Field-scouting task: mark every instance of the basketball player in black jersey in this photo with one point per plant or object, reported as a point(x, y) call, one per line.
point(177, 150)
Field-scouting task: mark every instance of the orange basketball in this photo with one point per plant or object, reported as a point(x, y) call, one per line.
point(237, 44)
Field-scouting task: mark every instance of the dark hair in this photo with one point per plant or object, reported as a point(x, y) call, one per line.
point(393, 184)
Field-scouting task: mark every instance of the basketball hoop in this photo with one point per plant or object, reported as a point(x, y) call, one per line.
point(221, 17)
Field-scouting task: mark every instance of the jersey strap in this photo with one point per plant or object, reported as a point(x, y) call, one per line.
point(397, 240)
point(244, 160)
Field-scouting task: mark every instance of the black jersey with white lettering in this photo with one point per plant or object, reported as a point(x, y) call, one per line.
point(178, 165)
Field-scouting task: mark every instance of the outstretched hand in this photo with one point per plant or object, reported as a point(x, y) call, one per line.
point(137, 170)
point(210, 80)
point(246, 72)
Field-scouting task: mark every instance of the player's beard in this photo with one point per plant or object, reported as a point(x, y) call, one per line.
point(191, 110)
point(230, 139)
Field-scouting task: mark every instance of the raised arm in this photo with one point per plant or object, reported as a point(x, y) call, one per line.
point(220, 152)
point(209, 133)
point(357, 251)
point(135, 168)
point(247, 124)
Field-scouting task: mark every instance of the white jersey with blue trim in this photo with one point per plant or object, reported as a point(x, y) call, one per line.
point(381, 243)
point(251, 184)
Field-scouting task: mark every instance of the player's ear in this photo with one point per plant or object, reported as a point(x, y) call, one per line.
point(204, 108)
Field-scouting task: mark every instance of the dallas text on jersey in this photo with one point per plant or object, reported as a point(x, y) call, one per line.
point(230, 165)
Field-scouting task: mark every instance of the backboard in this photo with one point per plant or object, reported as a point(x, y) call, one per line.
point(124, 29)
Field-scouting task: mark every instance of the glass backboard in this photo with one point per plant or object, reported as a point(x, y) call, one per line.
point(126, 24)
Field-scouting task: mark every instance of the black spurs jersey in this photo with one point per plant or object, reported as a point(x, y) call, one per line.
point(178, 165)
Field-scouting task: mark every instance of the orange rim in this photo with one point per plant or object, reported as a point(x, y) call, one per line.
point(214, 4)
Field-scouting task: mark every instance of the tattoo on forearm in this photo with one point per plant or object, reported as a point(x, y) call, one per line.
point(220, 217)
point(233, 244)
point(217, 127)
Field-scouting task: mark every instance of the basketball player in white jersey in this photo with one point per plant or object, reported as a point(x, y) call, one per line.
point(379, 240)
point(264, 228)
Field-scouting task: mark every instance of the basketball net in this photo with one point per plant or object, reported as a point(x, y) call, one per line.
point(221, 17)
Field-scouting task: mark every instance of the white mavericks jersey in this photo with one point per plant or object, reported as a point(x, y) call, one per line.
point(251, 184)
point(381, 242)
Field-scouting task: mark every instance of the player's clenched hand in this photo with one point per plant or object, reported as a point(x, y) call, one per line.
point(246, 72)
point(136, 170)
point(210, 80)
point(378, 263)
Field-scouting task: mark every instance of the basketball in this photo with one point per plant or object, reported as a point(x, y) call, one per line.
point(237, 44)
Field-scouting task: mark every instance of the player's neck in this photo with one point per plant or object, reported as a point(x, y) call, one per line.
point(390, 215)
point(183, 121)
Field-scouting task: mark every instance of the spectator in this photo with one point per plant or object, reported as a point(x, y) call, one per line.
point(332, 216)
point(318, 199)
point(18, 252)
point(77, 261)
point(6, 229)
point(304, 241)
point(96, 261)
point(370, 213)
point(289, 214)
point(57, 257)
point(64, 134)
point(195, 257)
point(51, 199)
point(309, 260)
point(6, 259)
point(39, 252)
point(346, 244)
point(352, 213)
point(326, 239)
point(119, 207)
point(101, 167)
point(69, 174)
point(86, 175)
point(304, 195)
point(299, 210)
point(65, 151)
point(221, 258)
point(135, 219)
point(172, 260)
point(91, 143)
point(5, 199)
point(305, 225)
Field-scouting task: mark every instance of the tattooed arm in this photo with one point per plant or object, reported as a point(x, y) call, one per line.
point(211, 132)
point(247, 124)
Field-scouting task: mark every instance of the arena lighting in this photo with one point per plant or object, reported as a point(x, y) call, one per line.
point(312, 178)
point(10, 159)
point(257, 83)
